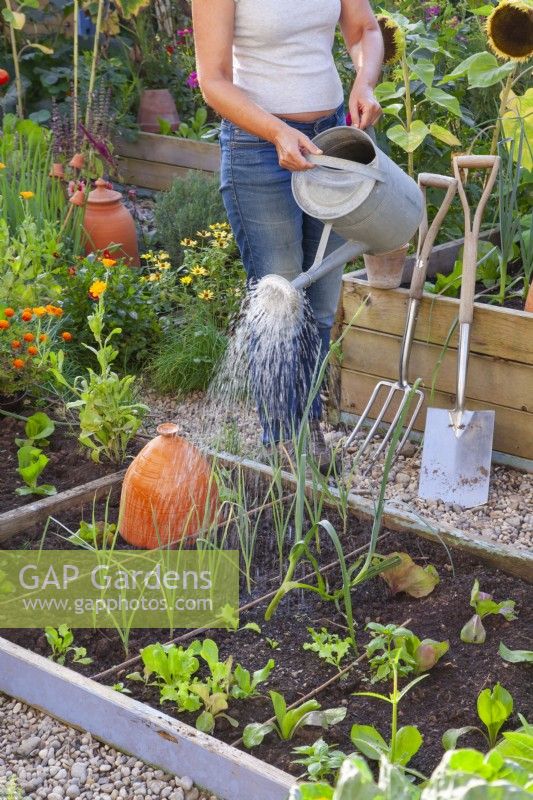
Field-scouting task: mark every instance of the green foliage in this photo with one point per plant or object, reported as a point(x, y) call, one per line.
point(473, 631)
point(288, 722)
point(10, 789)
point(246, 685)
point(97, 534)
point(191, 204)
point(61, 640)
point(31, 463)
point(515, 656)
point(409, 577)
point(320, 759)
point(393, 647)
point(108, 415)
point(494, 707)
point(328, 646)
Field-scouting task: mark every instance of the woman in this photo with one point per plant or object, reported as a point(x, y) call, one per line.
point(266, 67)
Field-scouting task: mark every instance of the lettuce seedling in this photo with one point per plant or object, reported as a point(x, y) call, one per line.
point(37, 428)
point(409, 577)
point(483, 604)
point(321, 759)
point(288, 722)
point(215, 704)
point(493, 708)
point(31, 463)
point(515, 656)
point(393, 644)
point(172, 669)
point(245, 685)
point(328, 646)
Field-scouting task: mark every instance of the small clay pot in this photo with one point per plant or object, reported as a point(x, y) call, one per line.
point(57, 171)
point(529, 300)
point(157, 104)
point(78, 198)
point(385, 270)
point(77, 161)
point(107, 221)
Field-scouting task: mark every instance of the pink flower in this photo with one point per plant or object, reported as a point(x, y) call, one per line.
point(348, 118)
point(192, 81)
point(182, 34)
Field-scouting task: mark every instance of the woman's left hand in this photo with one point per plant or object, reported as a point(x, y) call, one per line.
point(364, 108)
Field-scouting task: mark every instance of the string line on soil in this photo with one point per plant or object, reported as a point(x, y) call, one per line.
point(318, 689)
point(252, 604)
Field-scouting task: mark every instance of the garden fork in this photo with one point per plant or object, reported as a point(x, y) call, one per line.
point(426, 239)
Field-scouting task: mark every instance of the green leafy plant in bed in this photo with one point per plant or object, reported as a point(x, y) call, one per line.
point(289, 720)
point(31, 459)
point(320, 759)
point(473, 631)
point(108, 414)
point(61, 641)
point(494, 707)
point(515, 656)
point(328, 646)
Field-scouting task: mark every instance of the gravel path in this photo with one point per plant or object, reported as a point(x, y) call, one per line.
point(507, 517)
point(50, 760)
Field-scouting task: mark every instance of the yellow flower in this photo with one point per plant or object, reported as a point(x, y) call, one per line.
point(222, 244)
point(163, 254)
point(154, 276)
point(27, 195)
point(97, 288)
point(510, 29)
point(393, 39)
point(198, 270)
point(109, 262)
point(206, 294)
point(204, 234)
point(39, 311)
point(164, 265)
point(186, 280)
point(188, 243)
point(2, 165)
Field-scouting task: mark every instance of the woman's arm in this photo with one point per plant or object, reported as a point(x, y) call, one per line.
point(365, 45)
point(213, 25)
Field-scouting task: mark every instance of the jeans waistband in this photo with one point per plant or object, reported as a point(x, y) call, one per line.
point(309, 128)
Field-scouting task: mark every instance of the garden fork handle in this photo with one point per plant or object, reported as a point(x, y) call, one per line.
point(428, 233)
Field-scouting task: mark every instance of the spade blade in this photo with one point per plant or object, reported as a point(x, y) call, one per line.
point(455, 465)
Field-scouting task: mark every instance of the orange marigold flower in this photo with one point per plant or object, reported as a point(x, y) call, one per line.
point(43, 337)
point(18, 363)
point(109, 262)
point(32, 350)
point(15, 344)
point(28, 337)
point(9, 312)
point(27, 315)
point(4, 324)
point(39, 311)
point(66, 336)
point(54, 311)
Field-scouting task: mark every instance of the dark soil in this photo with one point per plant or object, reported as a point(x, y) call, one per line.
point(69, 464)
point(446, 698)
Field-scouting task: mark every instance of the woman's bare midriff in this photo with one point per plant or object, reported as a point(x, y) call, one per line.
point(307, 116)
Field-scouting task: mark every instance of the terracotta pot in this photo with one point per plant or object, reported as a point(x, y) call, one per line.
point(168, 493)
point(77, 161)
point(155, 104)
point(385, 270)
point(57, 171)
point(107, 221)
point(529, 300)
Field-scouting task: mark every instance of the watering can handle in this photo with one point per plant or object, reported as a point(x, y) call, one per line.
point(428, 233)
point(362, 170)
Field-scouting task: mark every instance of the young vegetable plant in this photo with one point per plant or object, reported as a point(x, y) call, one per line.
point(408, 577)
point(515, 656)
point(96, 534)
point(172, 669)
point(483, 604)
point(320, 759)
point(215, 704)
point(328, 646)
point(37, 428)
point(31, 463)
point(494, 707)
point(288, 721)
point(61, 640)
point(245, 685)
point(414, 655)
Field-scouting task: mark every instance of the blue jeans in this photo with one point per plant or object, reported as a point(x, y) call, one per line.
point(275, 236)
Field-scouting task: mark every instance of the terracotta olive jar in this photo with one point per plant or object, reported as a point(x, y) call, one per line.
point(156, 104)
point(168, 492)
point(107, 221)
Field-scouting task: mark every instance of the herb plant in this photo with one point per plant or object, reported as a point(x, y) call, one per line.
point(61, 640)
point(320, 759)
point(288, 721)
point(483, 604)
point(328, 646)
point(494, 707)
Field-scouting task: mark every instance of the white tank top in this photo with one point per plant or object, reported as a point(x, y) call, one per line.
point(282, 54)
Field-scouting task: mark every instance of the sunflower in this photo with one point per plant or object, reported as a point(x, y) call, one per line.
point(393, 39)
point(510, 29)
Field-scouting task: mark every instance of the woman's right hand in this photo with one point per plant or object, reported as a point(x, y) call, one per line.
point(291, 145)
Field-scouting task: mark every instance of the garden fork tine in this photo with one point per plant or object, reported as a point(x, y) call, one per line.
point(426, 239)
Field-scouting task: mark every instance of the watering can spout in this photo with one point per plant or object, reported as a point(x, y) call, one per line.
point(343, 254)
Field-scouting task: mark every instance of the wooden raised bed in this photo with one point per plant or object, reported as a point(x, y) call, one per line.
point(154, 160)
point(501, 361)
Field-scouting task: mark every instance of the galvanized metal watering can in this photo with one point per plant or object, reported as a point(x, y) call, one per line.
point(358, 192)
